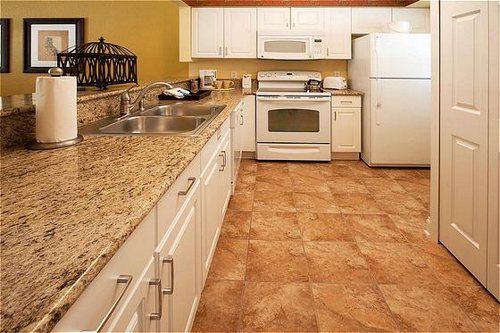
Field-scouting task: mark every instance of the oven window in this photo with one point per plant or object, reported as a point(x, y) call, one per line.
point(285, 46)
point(293, 120)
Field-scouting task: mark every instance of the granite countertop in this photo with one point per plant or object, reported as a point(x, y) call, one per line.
point(344, 92)
point(23, 103)
point(66, 212)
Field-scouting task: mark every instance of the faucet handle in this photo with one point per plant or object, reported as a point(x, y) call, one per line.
point(126, 93)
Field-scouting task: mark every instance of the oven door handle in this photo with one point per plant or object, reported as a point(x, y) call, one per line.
point(291, 99)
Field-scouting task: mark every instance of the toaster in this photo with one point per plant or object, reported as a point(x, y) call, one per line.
point(334, 82)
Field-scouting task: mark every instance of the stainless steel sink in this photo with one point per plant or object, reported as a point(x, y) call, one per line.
point(154, 125)
point(181, 110)
point(174, 119)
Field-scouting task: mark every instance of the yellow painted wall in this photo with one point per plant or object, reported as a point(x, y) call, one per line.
point(150, 29)
point(224, 67)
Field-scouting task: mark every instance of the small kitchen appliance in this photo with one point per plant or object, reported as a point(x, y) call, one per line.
point(208, 77)
point(335, 82)
point(292, 122)
point(247, 81)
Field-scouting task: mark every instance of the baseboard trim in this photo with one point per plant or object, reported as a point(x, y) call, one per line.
point(345, 156)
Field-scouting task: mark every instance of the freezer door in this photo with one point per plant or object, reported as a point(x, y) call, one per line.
point(400, 122)
point(400, 55)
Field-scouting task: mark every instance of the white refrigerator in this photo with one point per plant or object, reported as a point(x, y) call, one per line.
point(394, 72)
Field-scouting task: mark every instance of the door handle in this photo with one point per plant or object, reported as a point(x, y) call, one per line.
point(221, 168)
point(335, 115)
point(157, 283)
point(170, 290)
point(241, 119)
point(191, 180)
point(220, 50)
point(226, 52)
point(122, 279)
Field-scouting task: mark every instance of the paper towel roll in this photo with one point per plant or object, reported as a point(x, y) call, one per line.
point(56, 109)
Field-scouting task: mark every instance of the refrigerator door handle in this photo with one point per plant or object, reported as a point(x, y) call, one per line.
point(378, 105)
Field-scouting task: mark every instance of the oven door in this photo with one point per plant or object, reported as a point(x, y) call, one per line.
point(293, 119)
point(284, 47)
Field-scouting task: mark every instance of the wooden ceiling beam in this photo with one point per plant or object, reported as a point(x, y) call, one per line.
point(301, 3)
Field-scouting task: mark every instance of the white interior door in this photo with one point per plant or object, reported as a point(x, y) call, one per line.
point(464, 132)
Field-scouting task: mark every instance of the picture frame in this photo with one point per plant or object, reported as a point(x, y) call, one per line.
point(45, 37)
point(4, 45)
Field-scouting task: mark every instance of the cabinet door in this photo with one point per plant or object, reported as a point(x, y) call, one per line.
point(370, 19)
point(248, 130)
point(419, 18)
point(140, 313)
point(240, 32)
point(225, 170)
point(338, 33)
point(211, 192)
point(207, 32)
point(179, 266)
point(273, 19)
point(308, 19)
point(346, 130)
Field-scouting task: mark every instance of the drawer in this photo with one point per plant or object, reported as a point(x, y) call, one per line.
point(346, 101)
point(97, 299)
point(172, 201)
point(212, 144)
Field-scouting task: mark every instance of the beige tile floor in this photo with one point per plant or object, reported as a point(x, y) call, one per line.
point(336, 247)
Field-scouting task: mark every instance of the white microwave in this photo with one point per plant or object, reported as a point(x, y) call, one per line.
point(289, 47)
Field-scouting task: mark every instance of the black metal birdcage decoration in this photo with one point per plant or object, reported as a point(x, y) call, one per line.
point(99, 64)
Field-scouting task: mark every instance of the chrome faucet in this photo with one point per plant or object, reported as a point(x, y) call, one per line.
point(127, 107)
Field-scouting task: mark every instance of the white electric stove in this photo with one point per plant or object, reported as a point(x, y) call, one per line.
point(292, 122)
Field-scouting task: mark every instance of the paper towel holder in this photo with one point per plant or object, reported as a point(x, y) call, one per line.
point(35, 145)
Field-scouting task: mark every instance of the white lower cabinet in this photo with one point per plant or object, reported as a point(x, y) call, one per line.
point(248, 124)
point(346, 124)
point(154, 281)
point(216, 192)
point(178, 259)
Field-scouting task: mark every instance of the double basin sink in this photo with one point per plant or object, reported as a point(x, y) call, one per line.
point(175, 119)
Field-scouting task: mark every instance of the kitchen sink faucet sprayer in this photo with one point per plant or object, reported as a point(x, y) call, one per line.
point(126, 107)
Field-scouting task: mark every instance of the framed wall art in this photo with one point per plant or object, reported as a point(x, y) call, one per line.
point(4, 45)
point(45, 37)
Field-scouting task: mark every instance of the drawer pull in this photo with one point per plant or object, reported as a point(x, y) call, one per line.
point(122, 279)
point(221, 168)
point(191, 180)
point(345, 102)
point(157, 315)
point(241, 119)
point(225, 159)
point(169, 290)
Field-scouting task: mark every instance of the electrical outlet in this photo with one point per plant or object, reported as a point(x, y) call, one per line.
point(336, 73)
point(234, 75)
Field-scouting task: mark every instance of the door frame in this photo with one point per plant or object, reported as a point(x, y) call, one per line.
point(432, 226)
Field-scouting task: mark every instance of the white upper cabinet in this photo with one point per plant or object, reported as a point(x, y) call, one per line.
point(240, 32)
point(308, 19)
point(273, 18)
point(419, 18)
point(338, 33)
point(366, 20)
point(208, 32)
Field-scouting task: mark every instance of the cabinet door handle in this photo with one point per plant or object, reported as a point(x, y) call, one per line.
point(170, 290)
point(335, 115)
point(221, 168)
point(159, 299)
point(225, 159)
point(191, 181)
point(241, 119)
point(327, 51)
point(122, 279)
point(220, 50)
point(226, 51)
